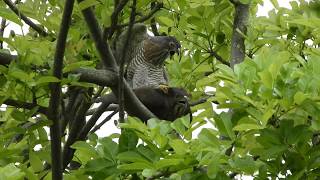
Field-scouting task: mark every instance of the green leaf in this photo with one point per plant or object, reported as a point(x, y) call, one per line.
point(136, 166)
point(128, 140)
point(21, 75)
point(213, 167)
point(46, 79)
point(131, 156)
point(167, 163)
point(77, 65)
point(275, 3)
point(148, 172)
point(10, 15)
point(35, 162)
point(87, 3)
point(266, 78)
point(99, 164)
point(179, 146)
point(166, 21)
point(209, 137)
point(247, 123)
point(299, 97)
point(11, 172)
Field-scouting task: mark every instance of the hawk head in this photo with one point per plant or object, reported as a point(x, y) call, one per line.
point(158, 48)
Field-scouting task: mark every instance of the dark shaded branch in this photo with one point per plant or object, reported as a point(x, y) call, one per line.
point(25, 105)
point(92, 121)
point(240, 23)
point(71, 107)
point(37, 28)
point(75, 135)
point(6, 58)
point(153, 22)
point(156, 8)
point(75, 128)
point(108, 32)
point(132, 102)
point(99, 77)
point(97, 127)
point(111, 107)
point(122, 61)
point(54, 102)
point(219, 58)
point(2, 27)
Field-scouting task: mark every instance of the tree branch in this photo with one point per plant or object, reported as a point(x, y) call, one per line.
point(219, 58)
point(2, 27)
point(97, 127)
point(55, 131)
point(156, 8)
point(153, 22)
point(122, 61)
point(99, 77)
point(240, 23)
point(25, 105)
point(108, 32)
point(37, 28)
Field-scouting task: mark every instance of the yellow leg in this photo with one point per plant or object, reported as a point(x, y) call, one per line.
point(164, 88)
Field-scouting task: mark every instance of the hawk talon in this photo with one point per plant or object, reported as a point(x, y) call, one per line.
point(164, 88)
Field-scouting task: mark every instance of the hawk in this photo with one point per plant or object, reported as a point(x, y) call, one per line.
point(145, 57)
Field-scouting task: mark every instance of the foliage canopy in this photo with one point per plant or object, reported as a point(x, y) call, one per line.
point(272, 128)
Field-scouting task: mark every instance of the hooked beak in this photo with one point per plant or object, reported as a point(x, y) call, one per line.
point(172, 52)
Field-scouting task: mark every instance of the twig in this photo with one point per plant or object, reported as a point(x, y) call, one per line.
point(153, 22)
point(108, 32)
point(156, 8)
point(111, 107)
point(122, 61)
point(55, 131)
point(219, 58)
point(37, 28)
point(97, 127)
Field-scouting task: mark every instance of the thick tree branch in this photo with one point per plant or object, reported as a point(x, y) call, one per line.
point(132, 102)
point(122, 61)
point(99, 77)
point(240, 23)
point(37, 28)
point(54, 102)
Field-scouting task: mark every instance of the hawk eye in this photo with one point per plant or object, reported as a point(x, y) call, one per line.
point(172, 44)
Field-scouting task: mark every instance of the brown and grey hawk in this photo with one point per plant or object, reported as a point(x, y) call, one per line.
point(145, 57)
